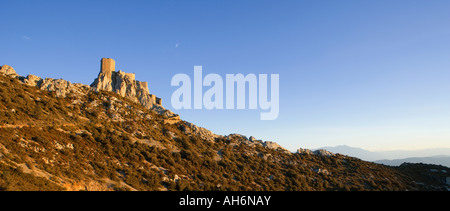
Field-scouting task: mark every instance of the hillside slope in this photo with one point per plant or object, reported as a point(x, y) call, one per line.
point(99, 140)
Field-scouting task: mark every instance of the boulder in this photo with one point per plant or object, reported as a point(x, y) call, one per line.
point(305, 151)
point(273, 145)
point(322, 152)
point(8, 70)
point(33, 80)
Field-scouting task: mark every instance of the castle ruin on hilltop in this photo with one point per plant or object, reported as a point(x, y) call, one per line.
point(123, 84)
point(108, 79)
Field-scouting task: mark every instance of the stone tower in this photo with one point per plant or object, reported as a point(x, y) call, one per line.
point(108, 65)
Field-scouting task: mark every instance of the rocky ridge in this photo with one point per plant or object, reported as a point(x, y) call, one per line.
point(99, 140)
point(127, 86)
point(119, 82)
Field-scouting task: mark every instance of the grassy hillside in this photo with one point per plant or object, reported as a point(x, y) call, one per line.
point(101, 141)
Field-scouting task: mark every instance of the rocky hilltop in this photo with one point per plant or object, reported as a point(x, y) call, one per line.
point(122, 83)
point(108, 79)
point(125, 85)
point(115, 135)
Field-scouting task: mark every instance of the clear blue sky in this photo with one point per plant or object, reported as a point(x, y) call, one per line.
point(371, 74)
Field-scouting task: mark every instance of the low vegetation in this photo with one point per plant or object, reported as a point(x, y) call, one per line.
point(101, 141)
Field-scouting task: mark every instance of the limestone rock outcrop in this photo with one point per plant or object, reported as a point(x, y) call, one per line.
point(305, 151)
point(200, 131)
point(60, 86)
point(127, 86)
point(7, 70)
point(319, 152)
point(273, 145)
point(33, 80)
point(324, 153)
point(253, 142)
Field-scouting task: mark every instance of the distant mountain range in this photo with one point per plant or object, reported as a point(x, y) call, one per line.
point(437, 156)
point(437, 160)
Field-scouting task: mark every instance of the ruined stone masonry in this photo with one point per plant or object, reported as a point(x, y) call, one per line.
point(123, 84)
point(108, 65)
